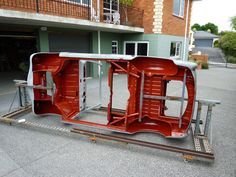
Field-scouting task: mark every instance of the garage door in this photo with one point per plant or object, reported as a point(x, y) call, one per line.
point(203, 43)
point(66, 42)
point(15, 50)
point(75, 42)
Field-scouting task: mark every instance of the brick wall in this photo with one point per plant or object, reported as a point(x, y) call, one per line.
point(170, 24)
point(135, 16)
point(202, 58)
point(173, 25)
point(148, 7)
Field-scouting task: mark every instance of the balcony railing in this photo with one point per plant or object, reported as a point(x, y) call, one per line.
point(66, 8)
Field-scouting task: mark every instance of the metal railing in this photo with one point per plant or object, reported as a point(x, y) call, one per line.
point(73, 9)
point(52, 7)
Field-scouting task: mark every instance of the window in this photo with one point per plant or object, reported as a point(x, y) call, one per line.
point(178, 8)
point(114, 47)
point(109, 7)
point(175, 49)
point(136, 48)
point(130, 49)
point(142, 49)
point(82, 2)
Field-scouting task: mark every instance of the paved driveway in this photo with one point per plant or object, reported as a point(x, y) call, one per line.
point(215, 54)
point(29, 152)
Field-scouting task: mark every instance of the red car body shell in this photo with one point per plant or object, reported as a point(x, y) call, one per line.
point(150, 116)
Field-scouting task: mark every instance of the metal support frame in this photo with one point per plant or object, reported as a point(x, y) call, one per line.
point(100, 81)
point(192, 154)
point(201, 136)
point(209, 104)
point(99, 104)
point(208, 120)
point(198, 118)
point(202, 146)
point(22, 92)
point(20, 97)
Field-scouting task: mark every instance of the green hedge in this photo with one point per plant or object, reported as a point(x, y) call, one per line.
point(231, 59)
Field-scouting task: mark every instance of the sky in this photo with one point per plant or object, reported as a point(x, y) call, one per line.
point(214, 11)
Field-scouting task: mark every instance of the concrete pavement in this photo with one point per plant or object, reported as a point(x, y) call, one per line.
point(34, 153)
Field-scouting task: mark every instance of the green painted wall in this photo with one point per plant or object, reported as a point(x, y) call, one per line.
point(106, 47)
point(43, 41)
point(151, 38)
point(106, 41)
point(164, 43)
point(159, 44)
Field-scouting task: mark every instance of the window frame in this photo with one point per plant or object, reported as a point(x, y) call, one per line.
point(116, 45)
point(181, 4)
point(110, 9)
point(136, 46)
point(179, 44)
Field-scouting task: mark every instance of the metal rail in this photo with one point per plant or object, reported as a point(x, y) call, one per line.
point(144, 143)
point(96, 135)
point(8, 118)
point(201, 143)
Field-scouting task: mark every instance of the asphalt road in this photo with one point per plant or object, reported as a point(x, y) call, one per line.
point(35, 153)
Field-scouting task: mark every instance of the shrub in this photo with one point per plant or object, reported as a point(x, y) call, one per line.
point(205, 65)
point(228, 43)
point(216, 44)
point(231, 59)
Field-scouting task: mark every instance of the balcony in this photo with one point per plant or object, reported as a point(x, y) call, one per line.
point(84, 9)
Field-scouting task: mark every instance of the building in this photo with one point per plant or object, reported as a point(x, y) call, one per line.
point(147, 27)
point(204, 39)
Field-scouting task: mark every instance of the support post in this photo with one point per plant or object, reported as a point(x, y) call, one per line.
point(37, 6)
point(208, 120)
point(89, 14)
point(25, 97)
point(186, 32)
point(20, 97)
point(98, 10)
point(198, 117)
point(100, 68)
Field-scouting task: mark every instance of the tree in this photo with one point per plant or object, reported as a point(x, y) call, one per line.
point(227, 43)
point(196, 27)
point(212, 28)
point(233, 22)
point(125, 4)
